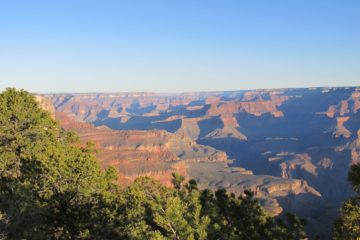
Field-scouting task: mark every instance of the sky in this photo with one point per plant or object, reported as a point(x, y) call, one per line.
point(178, 45)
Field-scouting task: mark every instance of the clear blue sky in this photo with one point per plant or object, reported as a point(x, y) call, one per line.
point(178, 45)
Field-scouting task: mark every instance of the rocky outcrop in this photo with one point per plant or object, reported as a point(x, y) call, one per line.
point(331, 111)
point(229, 130)
point(344, 111)
point(189, 127)
point(91, 107)
point(355, 156)
point(256, 108)
point(347, 106)
point(340, 129)
point(355, 150)
point(268, 188)
point(98, 107)
point(46, 104)
point(252, 103)
point(136, 153)
point(297, 166)
point(355, 96)
point(225, 133)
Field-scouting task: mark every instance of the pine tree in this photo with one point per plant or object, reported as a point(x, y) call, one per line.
point(157, 212)
point(49, 188)
point(347, 225)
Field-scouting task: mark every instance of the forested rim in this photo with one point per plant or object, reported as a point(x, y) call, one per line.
point(50, 188)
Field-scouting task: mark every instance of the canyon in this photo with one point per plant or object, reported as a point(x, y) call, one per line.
point(291, 147)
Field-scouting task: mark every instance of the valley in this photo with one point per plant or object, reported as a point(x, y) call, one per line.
point(291, 147)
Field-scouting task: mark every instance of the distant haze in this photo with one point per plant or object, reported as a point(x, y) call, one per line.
point(178, 46)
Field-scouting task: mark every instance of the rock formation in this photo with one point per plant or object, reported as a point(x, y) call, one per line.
point(135, 153)
point(293, 147)
point(46, 104)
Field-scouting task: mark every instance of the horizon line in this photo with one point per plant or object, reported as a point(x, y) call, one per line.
point(189, 92)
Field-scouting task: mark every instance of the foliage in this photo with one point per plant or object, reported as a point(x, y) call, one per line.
point(354, 177)
point(48, 187)
point(153, 210)
point(243, 218)
point(347, 225)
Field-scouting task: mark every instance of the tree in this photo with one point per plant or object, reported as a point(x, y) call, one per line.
point(243, 218)
point(49, 188)
point(347, 225)
point(156, 212)
point(354, 177)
